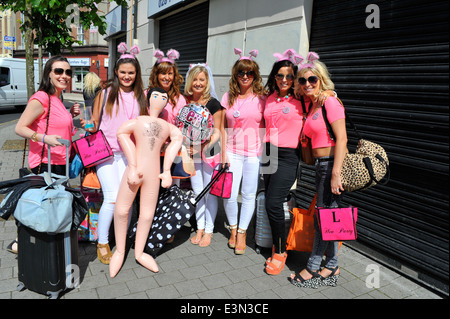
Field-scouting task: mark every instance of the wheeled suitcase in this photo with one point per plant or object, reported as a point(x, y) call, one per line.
point(263, 232)
point(48, 263)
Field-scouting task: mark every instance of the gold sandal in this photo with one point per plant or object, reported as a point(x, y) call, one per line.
point(240, 242)
point(206, 240)
point(104, 258)
point(197, 237)
point(233, 234)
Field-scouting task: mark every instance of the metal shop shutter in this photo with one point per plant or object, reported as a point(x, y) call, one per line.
point(393, 81)
point(186, 32)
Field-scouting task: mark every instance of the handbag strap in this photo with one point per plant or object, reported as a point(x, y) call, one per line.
point(347, 117)
point(46, 130)
point(222, 170)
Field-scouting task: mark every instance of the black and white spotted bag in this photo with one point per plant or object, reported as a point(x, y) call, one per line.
point(174, 208)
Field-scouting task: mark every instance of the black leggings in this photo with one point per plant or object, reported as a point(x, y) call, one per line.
point(277, 187)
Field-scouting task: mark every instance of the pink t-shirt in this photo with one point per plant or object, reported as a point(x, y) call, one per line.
point(170, 113)
point(283, 121)
point(60, 123)
point(128, 109)
point(245, 122)
point(315, 126)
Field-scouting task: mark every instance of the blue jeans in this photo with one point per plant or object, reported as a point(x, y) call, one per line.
point(325, 198)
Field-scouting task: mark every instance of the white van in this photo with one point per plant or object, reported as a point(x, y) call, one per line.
point(13, 82)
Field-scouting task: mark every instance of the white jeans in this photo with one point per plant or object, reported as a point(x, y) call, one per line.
point(206, 211)
point(245, 169)
point(110, 176)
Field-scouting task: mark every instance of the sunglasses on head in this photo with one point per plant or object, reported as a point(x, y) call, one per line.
point(59, 71)
point(312, 80)
point(281, 77)
point(249, 74)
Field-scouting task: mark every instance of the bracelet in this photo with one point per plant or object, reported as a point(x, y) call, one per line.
point(43, 138)
point(33, 137)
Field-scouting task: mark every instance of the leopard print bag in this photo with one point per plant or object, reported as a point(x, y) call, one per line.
point(367, 167)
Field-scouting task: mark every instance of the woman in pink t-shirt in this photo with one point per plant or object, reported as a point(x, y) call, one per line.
point(46, 119)
point(313, 79)
point(244, 106)
point(166, 76)
point(123, 100)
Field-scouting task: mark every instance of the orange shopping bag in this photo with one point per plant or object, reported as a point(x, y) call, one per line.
point(301, 233)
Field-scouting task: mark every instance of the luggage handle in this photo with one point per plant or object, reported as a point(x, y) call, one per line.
point(67, 144)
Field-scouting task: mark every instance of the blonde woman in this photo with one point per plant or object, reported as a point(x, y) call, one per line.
point(200, 89)
point(91, 88)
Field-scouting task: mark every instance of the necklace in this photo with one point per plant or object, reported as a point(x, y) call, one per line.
point(237, 112)
point(125, 107)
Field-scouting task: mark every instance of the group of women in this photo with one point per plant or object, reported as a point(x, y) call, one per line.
point(256, 131)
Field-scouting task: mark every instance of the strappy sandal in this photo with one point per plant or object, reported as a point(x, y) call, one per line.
point(233, 234)
point(197, 237)
point(274, 270)
point(332, 279)
point(104, 258)
point(240, 242)
point(314, 282)
point(206, 240)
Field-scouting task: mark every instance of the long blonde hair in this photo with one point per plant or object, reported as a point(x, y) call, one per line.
point(91, 83)
point(321, 71)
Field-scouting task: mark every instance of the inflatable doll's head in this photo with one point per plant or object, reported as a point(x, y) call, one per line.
point(157, 99)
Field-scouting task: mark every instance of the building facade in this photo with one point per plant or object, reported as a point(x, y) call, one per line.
point(90, 56)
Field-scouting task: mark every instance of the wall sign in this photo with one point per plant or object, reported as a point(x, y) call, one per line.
point(157, 6)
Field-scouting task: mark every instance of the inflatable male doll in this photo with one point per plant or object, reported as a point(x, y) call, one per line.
point(150, 133)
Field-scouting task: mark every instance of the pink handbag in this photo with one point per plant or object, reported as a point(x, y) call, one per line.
point(93, 149)
point(223, 182)
point(337, 223)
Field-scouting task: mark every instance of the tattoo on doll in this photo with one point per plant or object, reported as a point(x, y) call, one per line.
point(152, 131)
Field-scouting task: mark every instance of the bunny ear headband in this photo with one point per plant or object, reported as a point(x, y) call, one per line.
point(252, 54)
point(122, 48)
point(312, 56)
point(289, 55)
point(172, 55)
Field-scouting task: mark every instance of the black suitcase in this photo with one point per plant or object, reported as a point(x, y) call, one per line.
point(48, 263)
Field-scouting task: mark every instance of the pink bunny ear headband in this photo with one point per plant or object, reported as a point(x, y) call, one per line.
point(289, 55)
point(312, 56)
point(172, 55)
point(122, 48)
point(252, 54)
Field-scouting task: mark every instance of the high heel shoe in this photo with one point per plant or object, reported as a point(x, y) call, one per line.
point(233, 234)
point(314, 282)
point(271, 268)
point(240, 242)
point(332, 279)
point(104, 258)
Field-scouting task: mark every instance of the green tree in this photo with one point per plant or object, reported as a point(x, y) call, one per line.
point(47, 23)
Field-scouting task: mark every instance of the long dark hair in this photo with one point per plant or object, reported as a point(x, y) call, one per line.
point(46, 84)
point(138, 87)
point(271, 85)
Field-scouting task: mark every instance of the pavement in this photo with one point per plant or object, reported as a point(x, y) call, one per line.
point(213, 275)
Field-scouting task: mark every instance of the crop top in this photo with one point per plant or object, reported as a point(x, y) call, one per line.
point(315, 127)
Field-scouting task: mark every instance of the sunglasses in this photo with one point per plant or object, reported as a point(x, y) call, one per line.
point(59, 71)
point(280, 77)
point(249, 74)
point(312, 80)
